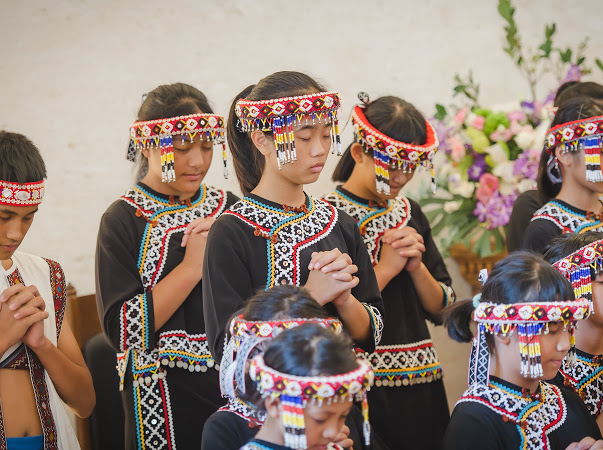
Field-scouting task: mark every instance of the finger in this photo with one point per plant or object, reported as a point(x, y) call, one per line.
point(410, 254)
point(325, 258)
point(26, 311)
point(9, 292)
point(339, 264)
point(18, 300)
point(35, 318)
point(205, 234)
point(407, 241)
point(344, 442)
point(352, 268)
point(342, 276)
point(184, 240)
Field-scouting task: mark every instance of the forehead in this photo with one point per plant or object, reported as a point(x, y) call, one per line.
point(308, 125)
point(18, 210)
point(335, 408)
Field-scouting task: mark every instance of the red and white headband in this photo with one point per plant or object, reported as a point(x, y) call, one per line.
point(280, 115)
point(295, 391)
point(388, 151)
point(161, 132)
point(21, 194)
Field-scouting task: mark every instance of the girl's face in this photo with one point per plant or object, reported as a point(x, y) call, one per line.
point(574, 169)
point(191, 163)
point(553, 348)
point(323, 423)
point(365, 170)
point(312, 144)
point(597, 317)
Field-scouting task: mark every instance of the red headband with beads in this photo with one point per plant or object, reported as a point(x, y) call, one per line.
point(21, 194)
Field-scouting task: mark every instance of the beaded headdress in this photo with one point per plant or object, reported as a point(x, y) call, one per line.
point(580, 134)
point(295, 392)
point(160, 133)
point(281, 115)
point(530, 320)
point(21, 194)
point(245, 336)
point(388, 152)
point(576, 267)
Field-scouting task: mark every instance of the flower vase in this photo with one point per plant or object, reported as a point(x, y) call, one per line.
point(470, 264)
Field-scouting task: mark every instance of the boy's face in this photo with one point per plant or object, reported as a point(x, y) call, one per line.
point(14, 224)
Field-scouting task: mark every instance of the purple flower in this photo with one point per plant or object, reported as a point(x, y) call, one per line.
point(573, 74)
point(442, 131)
point(497, 211)
point(525, 167)
point(477, 168)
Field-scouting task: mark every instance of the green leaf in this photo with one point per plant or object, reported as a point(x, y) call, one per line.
point(440, 112)
point(599, 63)
point(580, 61)
point(566, 56)
point(483, 245)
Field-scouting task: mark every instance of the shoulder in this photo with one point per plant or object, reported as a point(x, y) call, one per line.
point(224, 429)
point(528, 201)
point(219, 198)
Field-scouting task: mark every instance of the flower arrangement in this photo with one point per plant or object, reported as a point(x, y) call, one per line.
point(488, 156)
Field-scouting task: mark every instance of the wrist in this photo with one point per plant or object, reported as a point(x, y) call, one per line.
point(415, 271)
point(191, 272)
point(384, 272)
point(42, 346)
point(343, 300)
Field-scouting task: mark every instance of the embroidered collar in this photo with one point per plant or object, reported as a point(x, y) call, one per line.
point(585, 377)
point(569, 218)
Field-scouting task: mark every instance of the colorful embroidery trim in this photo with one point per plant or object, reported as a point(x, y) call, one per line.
point(240, 327)
point(521, 313)
point(281, 115)
point(21, 194)
point(388, 151)
point(567, 219)
point(159, 134)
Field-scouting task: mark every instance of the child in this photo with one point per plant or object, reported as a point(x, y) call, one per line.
point(280, 132)
point(265, 316)
point(307, 378)
point(149, 271)
point(41, 367)
point(410, 271)
point(580, 257)
point(525, 317)
point(569, 177)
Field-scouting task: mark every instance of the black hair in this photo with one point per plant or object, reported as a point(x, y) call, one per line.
point(522, 277)
point(247, 160)
point(170, 100)
point(20, 159)
point(575, 89)
point(283, 302)
point(574, 109)
point(393, 117)
point(566, 244)
point(311, 350)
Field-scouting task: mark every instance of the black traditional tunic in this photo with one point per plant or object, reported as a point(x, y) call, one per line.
point(170, 383)
point(585, 378)
point(48, 277)
point(258, 244)
point(523, 209)
point(555, 218)
point(236, 423)
point(258, 444)
point(407, 405)
point(499, 416)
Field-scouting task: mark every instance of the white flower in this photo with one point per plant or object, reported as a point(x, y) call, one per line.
point(451, 206)
point(497, 153)
point(504, 171)
point(525, 185)
point(526, 138)
point(461, 187)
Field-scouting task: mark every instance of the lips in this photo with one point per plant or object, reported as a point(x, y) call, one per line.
point(9, 248)
point(192, 176)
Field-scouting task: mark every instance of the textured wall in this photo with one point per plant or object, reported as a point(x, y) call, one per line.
point(72, 74)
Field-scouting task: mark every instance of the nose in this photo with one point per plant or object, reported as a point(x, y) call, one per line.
point(15, 231)
point(318, 148)
point(196, 159)
point(331, 431)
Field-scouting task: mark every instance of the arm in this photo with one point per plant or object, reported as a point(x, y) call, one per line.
point(65, 366)
point(227, 282)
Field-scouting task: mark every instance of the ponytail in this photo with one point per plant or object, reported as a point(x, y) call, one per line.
point(247, 161)
point(457, 319)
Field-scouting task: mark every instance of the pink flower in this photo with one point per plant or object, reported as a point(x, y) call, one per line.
point(457, 149)
point(460, 116)
point(478, 123)
point(501, 134)
point(518, 116)
point(488, 186)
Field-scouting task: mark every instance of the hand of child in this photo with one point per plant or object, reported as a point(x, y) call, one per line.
point(332, 276)
point(201, 225)
point(408, 243)
point(342, 439)
point(587, 443)
point(195, 251)
point(22, 307)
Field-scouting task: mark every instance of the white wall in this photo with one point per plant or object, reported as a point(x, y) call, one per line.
point(72, 74)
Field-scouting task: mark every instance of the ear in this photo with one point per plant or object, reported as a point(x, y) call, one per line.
point(564, 157)
point(146, 152)
point(502, 340)
point(357, 153)
point(262, 142)
point(273, 408)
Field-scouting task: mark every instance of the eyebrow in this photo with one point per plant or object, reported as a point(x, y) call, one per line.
point(305, 127)
point(10, 212)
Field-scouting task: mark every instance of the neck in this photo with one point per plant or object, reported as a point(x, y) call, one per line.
point(277, 189)
point(580, 197)
point(355, 185)
point(7, 263)
point(511, 374)
point(271, 432)
point(589, 337)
